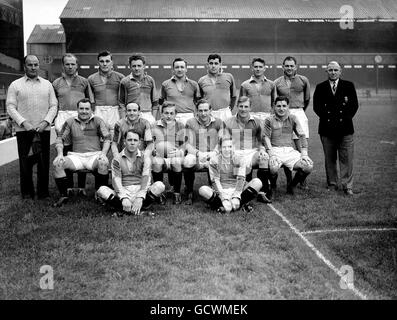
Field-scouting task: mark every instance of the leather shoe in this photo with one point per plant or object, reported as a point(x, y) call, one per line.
point(189, 200)
point(247, 208)
point(332, 187)
point(61, 202)
point(177, 198)
point(162, 199)
point(262, 198)
point(349, 192)
point(303, 186)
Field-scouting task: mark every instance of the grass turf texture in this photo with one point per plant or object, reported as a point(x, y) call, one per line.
point(192, 253)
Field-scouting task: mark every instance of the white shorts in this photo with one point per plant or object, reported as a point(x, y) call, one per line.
point(109, 114)
point(149, 117)
point(302, 118)
point(246, 156)
point(202, 162)
point(228, 193)
point(184, 117)
point(84, 160)
point(62, 117)
point(286, 156)
point(222, 114)
point(132, 191)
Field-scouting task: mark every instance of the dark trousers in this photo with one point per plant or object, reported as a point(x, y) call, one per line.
point(339, 149)
point(28, 157)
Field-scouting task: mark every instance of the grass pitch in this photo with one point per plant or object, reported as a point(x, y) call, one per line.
point(192, 253)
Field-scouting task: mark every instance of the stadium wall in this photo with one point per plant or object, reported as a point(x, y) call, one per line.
point(314, 44)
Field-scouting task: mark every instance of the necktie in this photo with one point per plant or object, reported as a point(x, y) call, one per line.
point(334, 87)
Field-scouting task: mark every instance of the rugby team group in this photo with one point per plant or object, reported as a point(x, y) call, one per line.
point(188, 127)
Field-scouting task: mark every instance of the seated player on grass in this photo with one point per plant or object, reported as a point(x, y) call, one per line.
point(246, 131)
point(84, 132)
point(229, 190)
point(168, 152)
point(278, 133)
point(202, 135)
point(132, 120)
point(132, 192)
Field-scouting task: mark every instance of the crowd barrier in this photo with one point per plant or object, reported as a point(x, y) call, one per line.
point(9, 149)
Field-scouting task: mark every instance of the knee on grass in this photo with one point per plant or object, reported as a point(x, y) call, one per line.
point(105, 193)
point(255, 184)
point(157, 188)
point(206, 192)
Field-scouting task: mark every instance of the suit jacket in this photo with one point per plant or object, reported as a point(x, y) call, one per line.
point(336, 112)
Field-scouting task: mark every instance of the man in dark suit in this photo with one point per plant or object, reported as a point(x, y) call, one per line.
point(335, 102)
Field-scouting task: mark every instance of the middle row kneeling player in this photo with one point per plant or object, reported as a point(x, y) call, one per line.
point(278, 135)
point(168, 152)
point(202, 134)
point(246, 131)
point(84, 133)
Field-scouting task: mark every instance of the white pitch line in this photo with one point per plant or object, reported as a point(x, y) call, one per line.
point(317, 252)
point(349, 230)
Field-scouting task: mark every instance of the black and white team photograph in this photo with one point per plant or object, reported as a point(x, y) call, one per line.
point(182, 151)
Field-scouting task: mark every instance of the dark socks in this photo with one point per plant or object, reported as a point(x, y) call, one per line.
point(176, 178)
point(247, 195)
point(62, 184)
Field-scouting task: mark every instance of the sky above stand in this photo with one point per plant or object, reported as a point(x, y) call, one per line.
point(40, 12)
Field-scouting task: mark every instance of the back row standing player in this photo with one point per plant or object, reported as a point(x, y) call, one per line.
point(140, 88)
point(218, 88)
point(105, 85)
point(69, 89)
point(297, 89)
point(181, 91)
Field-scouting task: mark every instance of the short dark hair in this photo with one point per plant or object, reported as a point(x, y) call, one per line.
point(202, 101)
point(137, 56)
point(177, 60)
point(84, 100)
point(139, 106)
point(281, 98)
point(69, 55)
point(133, 131)
point(167, 104)
point(258, 60)
point(104, 54)
point(290, 58)
point(243, 99)
point(214, 56)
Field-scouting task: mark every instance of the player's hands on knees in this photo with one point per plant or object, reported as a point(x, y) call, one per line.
point(227, 204)
point(59, 160)
point(127, 205)
point(235, 203)
point(137, 206)
point(262, 154)
point(273, 161)
point(102, 156)
point(307, 160)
